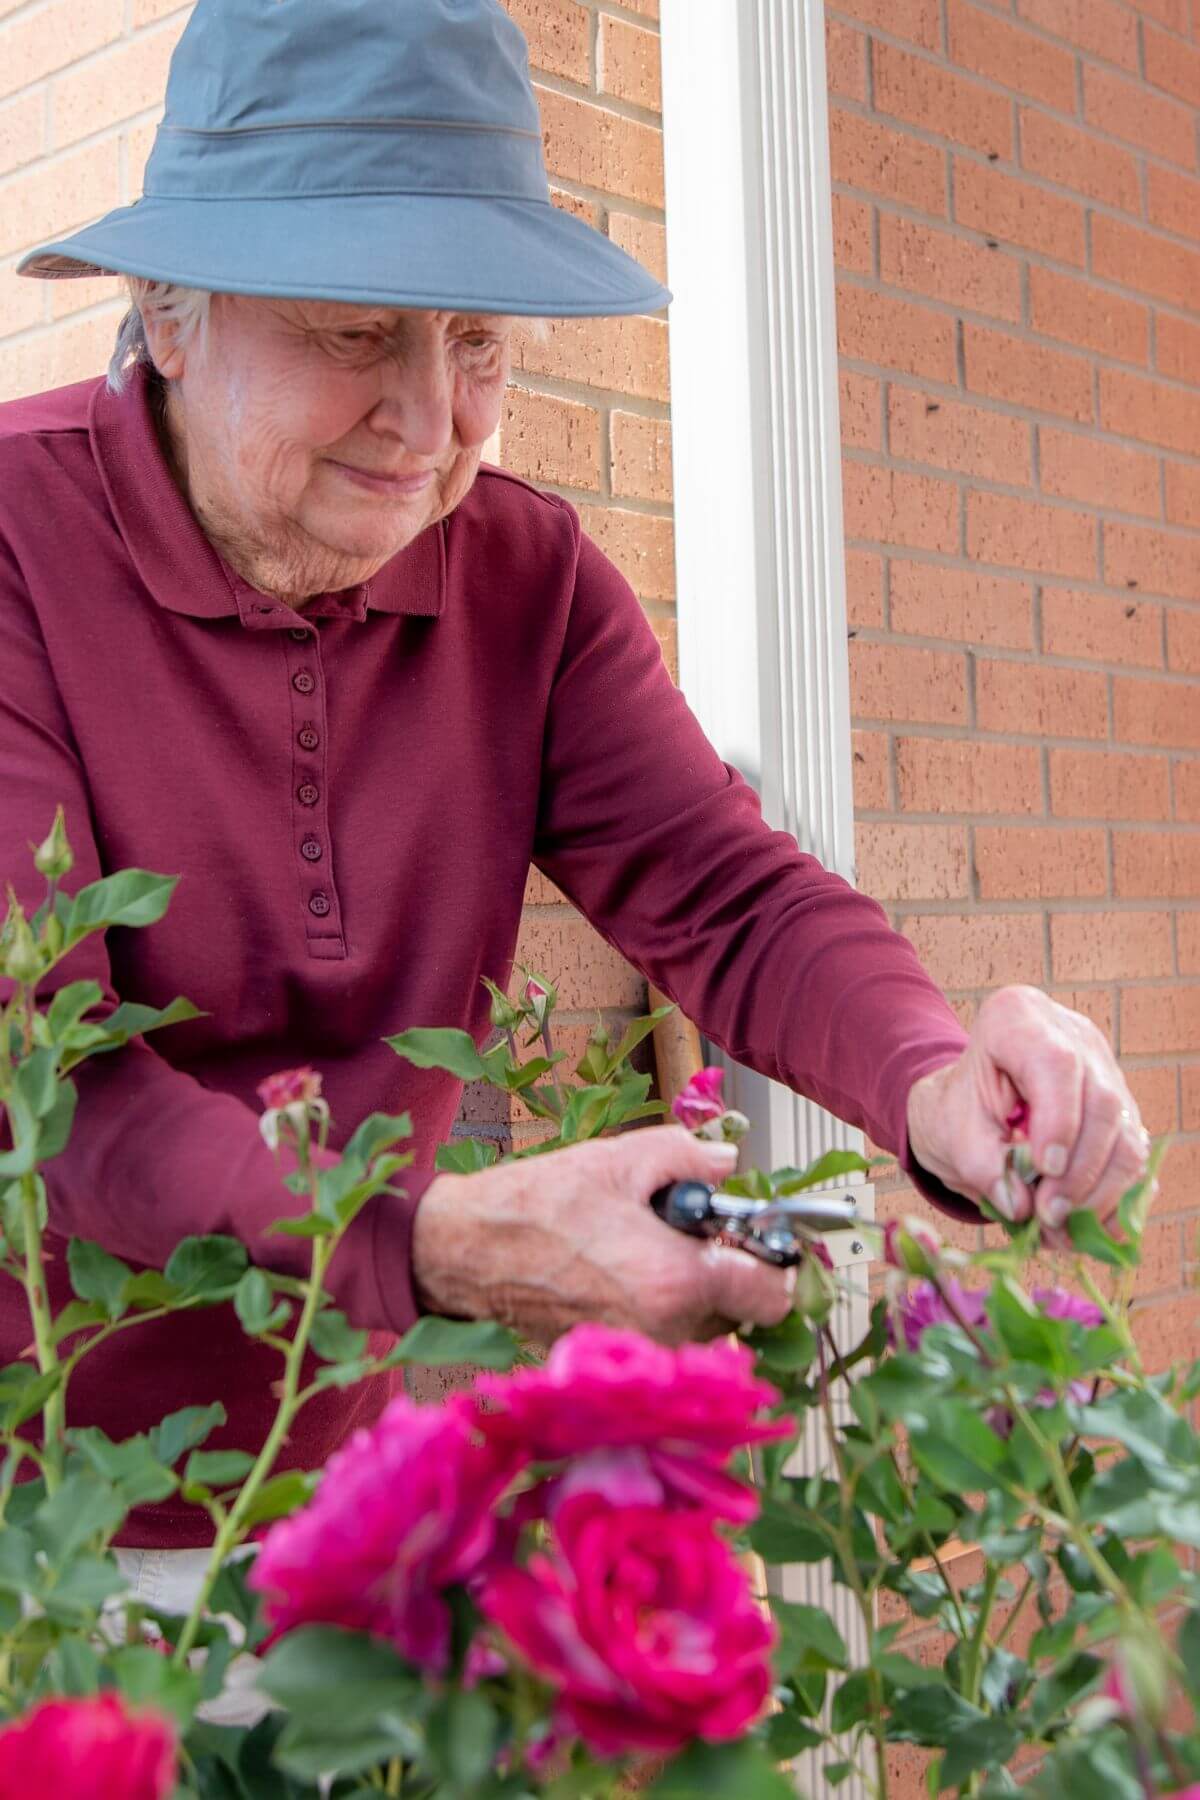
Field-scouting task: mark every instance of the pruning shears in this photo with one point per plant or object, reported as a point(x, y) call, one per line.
point(772, 1230)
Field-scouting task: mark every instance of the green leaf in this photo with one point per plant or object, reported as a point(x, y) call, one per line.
point(1027, 1334)
point(36, 1079)
point(782, 1534)
point(132, 897)
point(788, 1736)
point(217, 1468)
point(308, 1225)
point(634, 1035)
point(1088, 1236)
point(24, 1392)
point(19, 1571)
point(82, 1508)
point(231, 1595)
point(184, 1430)
point(933, 1716)
point(254, 1303)
point(460, 1734)
point(323, 1672)
point(433, 1341)
point(1187, 1644)
point(830, 1167)
point(378, 1132)
point(955, 1447)
point(790, 1346)
point(741, 1771)
point(453, 1051)
point(69, 1005)
point(466, 1156)
point(147, 1678)
point(1003, 1680)
point(207, 1268)
point(585, 1114)
point(334, 1339)
point(808, 1638)
point(95, 1275)
point(988, 1744)
point(1062, 1687)
point(131, 1466)
point(282, 1495)
point(851, 1702)
point(75, 1316)
point(56, 1126)
point(82, 1589)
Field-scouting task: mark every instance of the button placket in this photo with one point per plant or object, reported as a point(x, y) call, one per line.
point(310, 795)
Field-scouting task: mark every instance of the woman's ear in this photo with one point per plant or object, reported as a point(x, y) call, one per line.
point(167, 351)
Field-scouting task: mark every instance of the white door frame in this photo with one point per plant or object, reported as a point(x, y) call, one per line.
point(758, 504)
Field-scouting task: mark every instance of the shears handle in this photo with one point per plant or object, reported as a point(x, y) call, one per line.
point(687, 1206)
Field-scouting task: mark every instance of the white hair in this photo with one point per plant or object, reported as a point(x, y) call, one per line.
point(187, 309)
point(184, 307)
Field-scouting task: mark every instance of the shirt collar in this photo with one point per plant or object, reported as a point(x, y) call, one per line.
point(179, 566)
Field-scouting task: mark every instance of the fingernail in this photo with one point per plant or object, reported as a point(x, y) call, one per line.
point(789, 1282)
point(1055, 1211)
point(724, 1155)
point(1055, 1160)
point(1002, 1199)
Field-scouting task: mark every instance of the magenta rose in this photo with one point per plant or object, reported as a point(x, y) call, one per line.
point(684, 1412)
point(645, 1624)
point(404, 1511)
point(1057, 1303)
point(700, 1100)
point(97, 1748)
point(923, 1306)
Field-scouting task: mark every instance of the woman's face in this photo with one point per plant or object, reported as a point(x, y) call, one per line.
point(327, 437)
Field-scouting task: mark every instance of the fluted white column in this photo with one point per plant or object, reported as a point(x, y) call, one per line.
point(758, 513)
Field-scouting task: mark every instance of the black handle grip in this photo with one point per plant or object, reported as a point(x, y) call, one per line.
point(687, 1205)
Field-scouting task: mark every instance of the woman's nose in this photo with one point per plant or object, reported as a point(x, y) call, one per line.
point(417, 404)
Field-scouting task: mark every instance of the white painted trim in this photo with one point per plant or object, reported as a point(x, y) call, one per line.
point(758, 512)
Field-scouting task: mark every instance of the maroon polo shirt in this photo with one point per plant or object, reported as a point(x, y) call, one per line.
point(352, 798)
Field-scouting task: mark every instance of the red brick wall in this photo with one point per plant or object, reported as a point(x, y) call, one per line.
point(1017, 224)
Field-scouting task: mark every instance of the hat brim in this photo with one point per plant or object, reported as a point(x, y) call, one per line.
point(444, 251)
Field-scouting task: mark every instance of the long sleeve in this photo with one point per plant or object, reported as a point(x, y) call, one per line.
point(154, 1155)
point(664, 848)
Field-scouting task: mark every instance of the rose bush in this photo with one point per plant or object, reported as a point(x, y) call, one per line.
point(530, 1588)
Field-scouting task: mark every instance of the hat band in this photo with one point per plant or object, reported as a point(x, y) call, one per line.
point(333, 158)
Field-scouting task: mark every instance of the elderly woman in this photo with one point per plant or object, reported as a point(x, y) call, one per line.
point(269, 623)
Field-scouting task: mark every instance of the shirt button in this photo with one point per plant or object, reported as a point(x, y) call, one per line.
point(308, 793)
point(303, 682)
point(319, 904)
point(307, 737)
point(310, 850)
point(299, 633)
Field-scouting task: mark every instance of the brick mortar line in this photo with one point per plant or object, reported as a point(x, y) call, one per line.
point(962, 734)
point(603, 101)
point(1010, 409)
point(1011, 251)
point(1052, 577)
point(1033, 28)
point(1010, 165)
point(613, 10)
point(988, 484)
point(1007, 653)
point(554, 387)
point(1026, 334)
point(1017, 98)
point(131, 35)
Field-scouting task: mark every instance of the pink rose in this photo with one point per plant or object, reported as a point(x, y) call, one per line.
point(700, 1100)
point(291, 1087)
point(1057, 1303)
point(96, 1747)
point(685, 1411)
point(404, 1511)
point(924, 1306)
point(644, 1622)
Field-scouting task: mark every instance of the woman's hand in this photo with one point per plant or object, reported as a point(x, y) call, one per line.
point(1084, 1130)
point(544, 1243)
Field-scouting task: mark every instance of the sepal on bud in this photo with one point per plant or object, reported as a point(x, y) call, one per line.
point(53, 857)
point(911, 1246)
point(816, 1289)
point(20, 958)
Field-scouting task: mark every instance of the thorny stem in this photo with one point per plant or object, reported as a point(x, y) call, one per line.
point(38, 1300)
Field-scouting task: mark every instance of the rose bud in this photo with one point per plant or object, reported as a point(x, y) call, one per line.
point(53, 857)
point(911, 1246)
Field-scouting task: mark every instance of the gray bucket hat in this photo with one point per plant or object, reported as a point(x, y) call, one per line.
point(383, 152)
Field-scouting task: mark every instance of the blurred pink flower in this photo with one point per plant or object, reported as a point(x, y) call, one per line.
point(404, 1511)
point(685, 1411)
point(1115, 1687)
point(1058, 1303)
point(291, 1087)
point(95, 1747)
point(644, 1622)
point(910, 1245)
point(923, 1306)
point(701, 1099)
